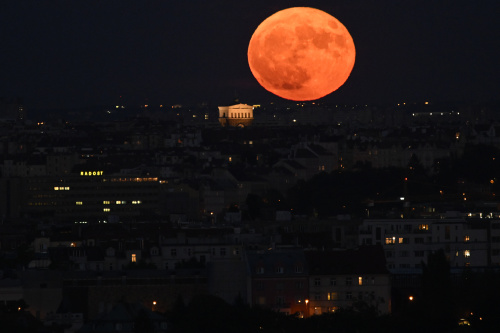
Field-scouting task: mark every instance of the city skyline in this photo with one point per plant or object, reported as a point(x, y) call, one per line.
point(60, 54)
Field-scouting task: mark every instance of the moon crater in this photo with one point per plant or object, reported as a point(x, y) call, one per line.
point(301, 53)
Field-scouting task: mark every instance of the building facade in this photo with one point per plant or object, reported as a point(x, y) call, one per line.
point(239, 115)
point(348, 278)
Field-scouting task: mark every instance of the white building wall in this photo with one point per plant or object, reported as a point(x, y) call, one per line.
point(408, 243)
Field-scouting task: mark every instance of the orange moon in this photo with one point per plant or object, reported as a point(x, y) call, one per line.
point(301, 54)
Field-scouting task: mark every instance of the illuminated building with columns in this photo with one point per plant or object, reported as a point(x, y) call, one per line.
point(239, 115)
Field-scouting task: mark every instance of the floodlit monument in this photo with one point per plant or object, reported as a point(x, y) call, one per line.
point(239, 115)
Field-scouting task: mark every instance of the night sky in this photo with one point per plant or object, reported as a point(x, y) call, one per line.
point(70, 54)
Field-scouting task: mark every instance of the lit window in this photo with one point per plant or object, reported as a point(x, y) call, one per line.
point(390, 240)
point(230, 159)
point(136, 202)
point(106, 209)
point(467, 253)
point(360, 281)
point(134, 258)
point(105, 202)
point(466, 238)
point(423, 227)
point(331, 296)
point(79, 203)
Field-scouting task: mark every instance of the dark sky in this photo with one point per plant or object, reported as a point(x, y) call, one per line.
point(58, 54)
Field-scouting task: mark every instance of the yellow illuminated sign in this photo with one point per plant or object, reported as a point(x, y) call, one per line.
point(91, 173)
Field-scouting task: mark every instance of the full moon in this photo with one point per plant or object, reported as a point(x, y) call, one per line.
point(301, 54)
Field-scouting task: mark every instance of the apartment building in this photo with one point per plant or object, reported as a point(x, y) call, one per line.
point(408, 242)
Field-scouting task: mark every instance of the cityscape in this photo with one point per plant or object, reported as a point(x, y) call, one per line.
point(265, 204)
point(149, 184)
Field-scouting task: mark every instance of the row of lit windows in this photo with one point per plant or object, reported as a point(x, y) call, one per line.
point(394, 240)
point(348, 281)
point(61, 188)
point(148, 179)
point(419, 240)
point(118, 202)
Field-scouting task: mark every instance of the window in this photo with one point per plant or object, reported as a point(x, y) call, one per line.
point(419, 240)
point(348, 281)
point(360, 280)
point(404, 253)
point(222, 251)
point(467, 253)
point(106, 209)
point(279, 270)
point(403, 240)
point(390, 240)
point(173, 252)
point(333, 281)
point(298, 269)
point(419, 253)
point(423, 227)
point(317, 282)
point(317, 296)
point(105, 202)
point(348, 295)
point(260, 270)
point(133, 258)
point(299, 284)
point(466, 238)
point(331, 296)
point(79, 203)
